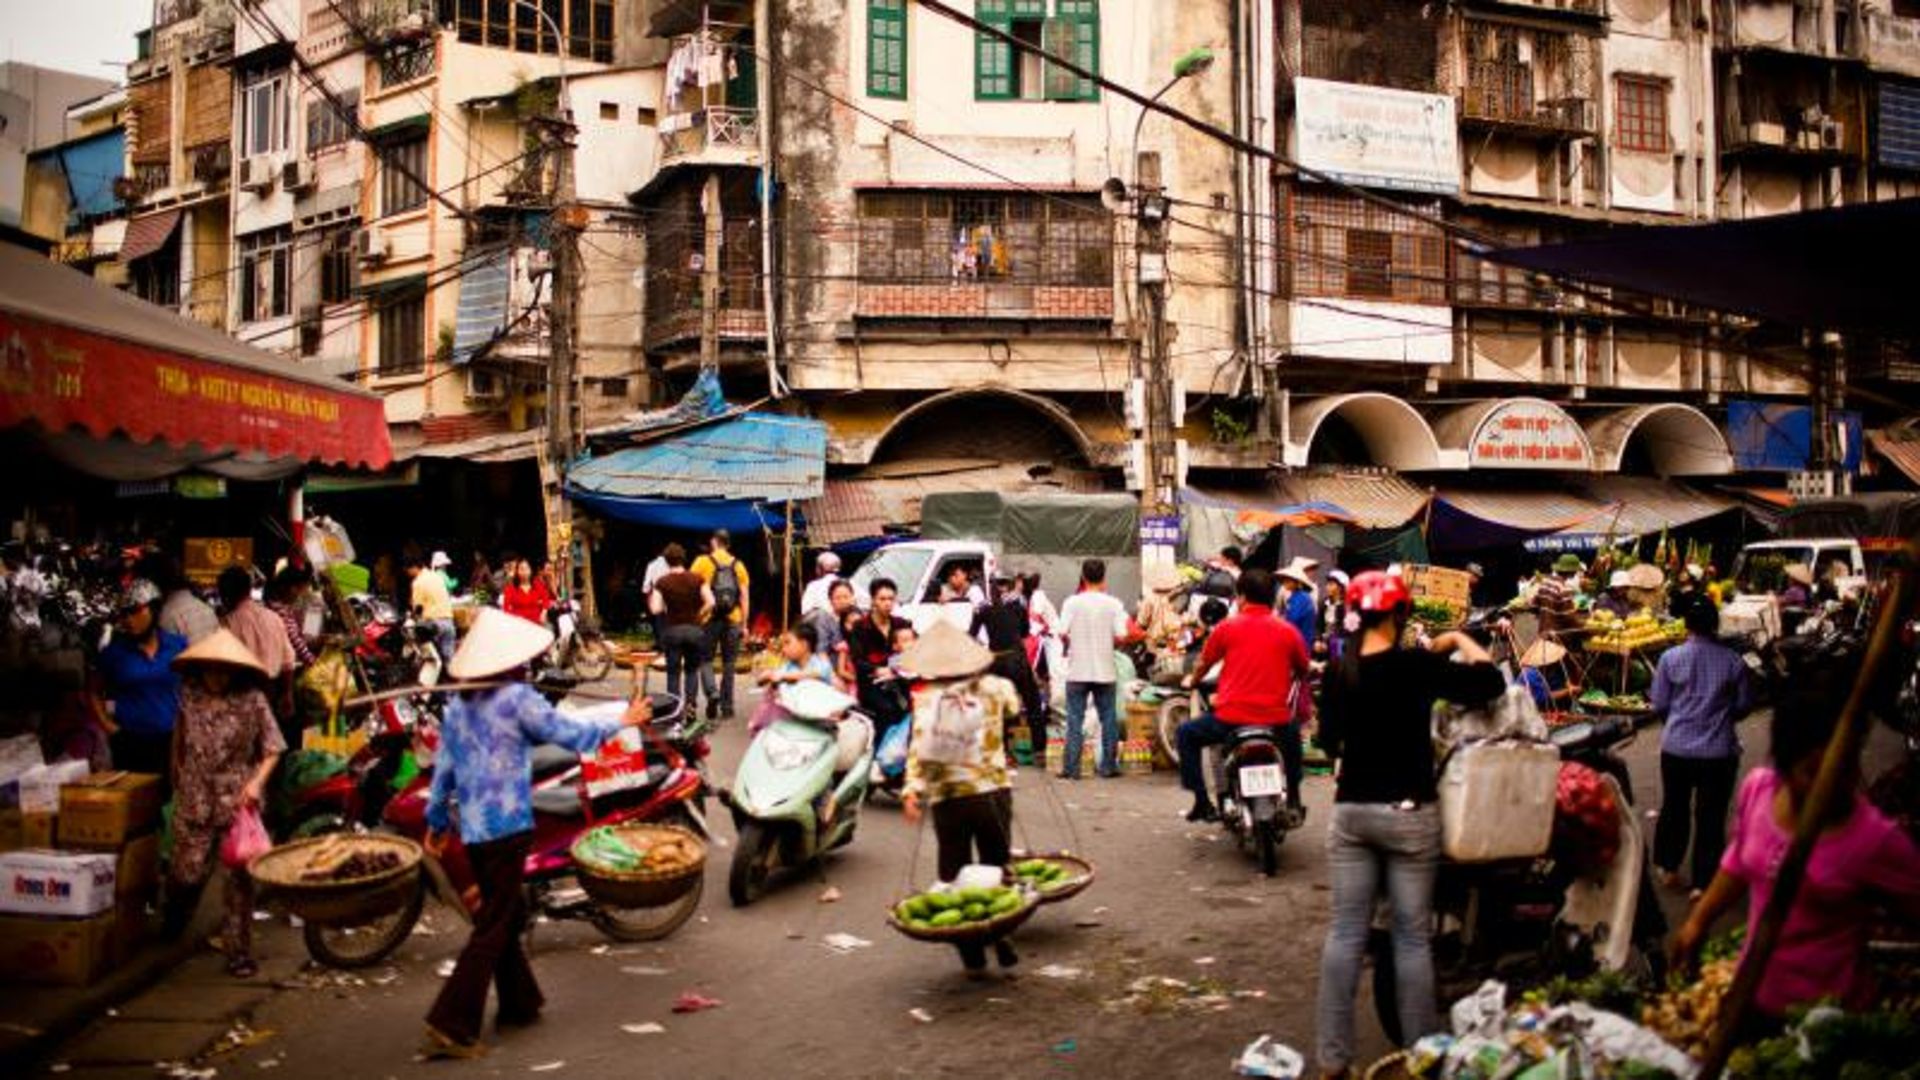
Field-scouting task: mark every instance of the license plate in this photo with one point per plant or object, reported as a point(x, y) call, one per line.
point(1261, 780)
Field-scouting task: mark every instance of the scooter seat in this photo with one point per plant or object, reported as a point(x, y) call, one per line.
point(549, 760)
point(1249, 733)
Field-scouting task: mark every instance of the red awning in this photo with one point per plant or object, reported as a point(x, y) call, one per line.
point(78, 354)
point(148, 234)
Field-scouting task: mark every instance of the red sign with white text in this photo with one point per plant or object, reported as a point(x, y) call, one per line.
point(1529, 435)
point(63, 378)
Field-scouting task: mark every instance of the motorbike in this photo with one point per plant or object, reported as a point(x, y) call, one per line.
point(1250, 776)
point(798, 792)
point(403, 734)
point(578, 645)
point(393, 649)
point(667, 785)
point(1522, 919)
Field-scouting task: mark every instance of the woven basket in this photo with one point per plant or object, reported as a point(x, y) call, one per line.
point(1061, 890)
point(985, 932)
point(1392, 1067)
point(338, 903)
point(642, 888)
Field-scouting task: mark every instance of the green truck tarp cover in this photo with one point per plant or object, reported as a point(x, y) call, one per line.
point(1045, 533)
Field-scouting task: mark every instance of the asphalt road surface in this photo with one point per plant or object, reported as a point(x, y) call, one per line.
point(1177, 957)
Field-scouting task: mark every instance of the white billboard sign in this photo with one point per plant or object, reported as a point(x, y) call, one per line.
point(1377, 137)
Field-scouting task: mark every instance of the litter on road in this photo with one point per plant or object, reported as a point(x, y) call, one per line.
point(921, 1015)
point(830, 895)
point(547, 1066)
point(643, 1029)
point(844, 943)
point(644, 969)
point(692, 1001)
point(1058, 971)
point(1264, 1057)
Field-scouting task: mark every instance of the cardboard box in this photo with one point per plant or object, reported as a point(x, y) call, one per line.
point(68, 884)
point(1440, 583)
point(61, 952)
point(136, 876)
point(107, 809)
point(21, 830)
point(133, 926)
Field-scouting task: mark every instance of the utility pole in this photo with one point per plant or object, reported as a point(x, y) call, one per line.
point(1159, 518)
point(712, 224)
point(565, 219)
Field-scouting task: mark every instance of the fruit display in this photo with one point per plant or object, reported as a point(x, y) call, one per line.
point(1045, 874)
point(1636, 631)
point(943, 908)
point(617, 850)
point(1828, 1042)
point(340, 858)
point(1601, 701)
point(1686, 1017)
point(1435, 613)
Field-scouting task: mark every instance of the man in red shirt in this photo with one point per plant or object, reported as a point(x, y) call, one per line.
point(1264, 658)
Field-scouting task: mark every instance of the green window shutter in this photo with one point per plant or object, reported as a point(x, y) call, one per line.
point(1076, 38)
point(887, 48)
point(1025, 9)
point(992, 58)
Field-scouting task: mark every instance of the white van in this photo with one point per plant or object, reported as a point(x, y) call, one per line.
point(917, 568)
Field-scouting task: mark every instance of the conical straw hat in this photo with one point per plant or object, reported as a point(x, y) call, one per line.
point(498, 642)
point(221, 647)
point(945, 652)
point(1543, 653)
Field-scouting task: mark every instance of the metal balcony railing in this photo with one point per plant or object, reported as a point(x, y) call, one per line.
point(717, 128)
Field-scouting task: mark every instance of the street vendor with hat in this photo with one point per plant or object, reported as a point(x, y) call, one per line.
point(956, 759)
point(483, 776)
point(1543, 672)
point(1556, 599)
point(1296, 592)
point(1616, 601)
point(225, 746)
point(137, 690)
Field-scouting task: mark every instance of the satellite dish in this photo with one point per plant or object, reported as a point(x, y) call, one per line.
point(1113, 194)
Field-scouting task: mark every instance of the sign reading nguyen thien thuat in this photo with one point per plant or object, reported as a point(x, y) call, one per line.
point(1524, 434)
point(1377, 137)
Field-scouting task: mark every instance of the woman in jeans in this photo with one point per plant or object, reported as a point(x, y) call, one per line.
point(1386, 826)
point(682, 602)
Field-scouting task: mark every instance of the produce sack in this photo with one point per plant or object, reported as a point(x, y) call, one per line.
point(1512, 715)
point(245, 841)
point(1497, 800)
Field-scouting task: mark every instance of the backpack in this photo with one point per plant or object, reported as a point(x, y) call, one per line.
point(726, 587)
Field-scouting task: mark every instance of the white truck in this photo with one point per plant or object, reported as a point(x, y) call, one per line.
point(918, 568)
point(1759, 572)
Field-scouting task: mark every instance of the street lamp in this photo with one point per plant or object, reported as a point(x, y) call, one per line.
point(1194, 62)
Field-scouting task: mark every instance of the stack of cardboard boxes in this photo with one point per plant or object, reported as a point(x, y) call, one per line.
point(78, 886)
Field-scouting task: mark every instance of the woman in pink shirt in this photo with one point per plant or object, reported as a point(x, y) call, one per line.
point(1862, 862)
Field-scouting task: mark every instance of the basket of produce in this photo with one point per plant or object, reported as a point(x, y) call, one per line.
point(1599, 701)
point(341, 880)
point(969, 916)
point(639, 865)
point(1055, 876)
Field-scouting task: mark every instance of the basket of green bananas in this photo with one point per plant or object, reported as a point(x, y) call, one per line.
point(963, 916)
point(1056, 876)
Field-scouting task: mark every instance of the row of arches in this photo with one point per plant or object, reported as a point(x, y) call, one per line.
point(1661, 438)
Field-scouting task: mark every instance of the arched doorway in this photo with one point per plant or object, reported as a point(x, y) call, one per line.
point(1665, 439)
point(984, 424)
point(1362, 429)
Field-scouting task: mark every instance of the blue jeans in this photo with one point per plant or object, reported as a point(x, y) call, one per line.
point(685, 646)
point(444, 638)
point(723, 641)
point(1205, 730)
point(1104, 700)
point(1366, 842)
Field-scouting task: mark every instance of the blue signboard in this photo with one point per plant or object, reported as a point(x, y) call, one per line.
point(1770, 436)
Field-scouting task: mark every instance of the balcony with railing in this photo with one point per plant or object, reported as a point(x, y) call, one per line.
point(1529, 82)
point(712, 98)
point(720, 135)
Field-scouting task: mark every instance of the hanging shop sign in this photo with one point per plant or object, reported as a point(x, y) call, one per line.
point(1528, 434)
point(205, 556)
point(1377, 137)
point(1159, 531)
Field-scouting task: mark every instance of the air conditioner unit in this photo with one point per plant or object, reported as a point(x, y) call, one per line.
point(484, 385)
point(256, 174)
point(1833, 134)
point(1767, 132)
point(298, 175)
point(370, 244)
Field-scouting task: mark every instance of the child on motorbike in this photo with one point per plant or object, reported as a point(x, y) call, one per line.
point(798, 662)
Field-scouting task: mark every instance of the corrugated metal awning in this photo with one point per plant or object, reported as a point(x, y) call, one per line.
point(148, 234)
point(1644, 505)
point(484, 450)
point(1900, 448)
point(1526, 511)
point(1379, 500)
point(482, 313)
point(755, 456)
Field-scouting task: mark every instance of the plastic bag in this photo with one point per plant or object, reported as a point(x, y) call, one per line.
point(245, 841)
point(1266, 1058)
point(1512, 715)
point(892, 754)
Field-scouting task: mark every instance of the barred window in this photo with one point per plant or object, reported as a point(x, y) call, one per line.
point(403, 333)
point(403, 169)
point(587, 24)
point(1341, 246)
point(266, 261)
point(328, 125)
point(947, 237)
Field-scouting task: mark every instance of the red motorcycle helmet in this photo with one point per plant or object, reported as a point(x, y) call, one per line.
point(1375, 591)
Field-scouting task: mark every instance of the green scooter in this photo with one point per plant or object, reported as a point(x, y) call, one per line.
point(800, 786)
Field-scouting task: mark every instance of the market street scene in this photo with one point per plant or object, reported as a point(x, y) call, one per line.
point(1317, 540)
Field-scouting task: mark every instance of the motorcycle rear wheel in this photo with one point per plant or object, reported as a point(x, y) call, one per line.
point(351, 947)
point(1266, 841)
point(756, 852)
point(647, 924)
point(1173, 713)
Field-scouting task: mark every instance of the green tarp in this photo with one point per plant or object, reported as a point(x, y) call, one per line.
point(1045, 533)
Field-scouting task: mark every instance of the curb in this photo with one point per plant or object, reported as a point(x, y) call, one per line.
point(22, 1049)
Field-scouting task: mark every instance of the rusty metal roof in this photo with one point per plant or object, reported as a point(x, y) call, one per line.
point(866, 505)
point(1375, 500)
point(1900, 447)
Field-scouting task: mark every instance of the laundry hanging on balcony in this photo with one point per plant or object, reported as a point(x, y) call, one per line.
point(699, 62)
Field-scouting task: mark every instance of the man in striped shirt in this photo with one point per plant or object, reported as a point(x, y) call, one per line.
point(1701, 690)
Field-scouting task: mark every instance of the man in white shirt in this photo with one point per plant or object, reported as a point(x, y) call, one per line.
point(817, 596)
point(1092, 622)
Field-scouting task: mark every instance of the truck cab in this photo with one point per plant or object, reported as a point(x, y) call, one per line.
point(1759, 573)
point(918, 568)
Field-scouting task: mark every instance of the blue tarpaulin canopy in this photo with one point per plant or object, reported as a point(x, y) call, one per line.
point(735, 474)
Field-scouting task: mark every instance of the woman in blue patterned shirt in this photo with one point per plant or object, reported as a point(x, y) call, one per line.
point(483, 777)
